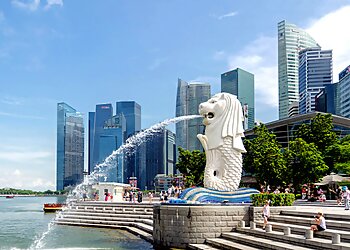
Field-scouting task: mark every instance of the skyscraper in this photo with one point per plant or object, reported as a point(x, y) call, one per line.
point(315, 71)
point(103, 112)
point(131, 110)
point(344, 92)
point(158, 157)
point(241, 83)
point(291, 40)
point(70, 146)
point(189, 96)
point(106, 134)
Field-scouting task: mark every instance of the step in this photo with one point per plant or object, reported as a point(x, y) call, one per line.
point(113, 209)
point(331, 224)
point(295, 239)
point(263, 243)
point(222, 243)
point(202, 247)
point(298, 229)
point(98, 213)
point(332, 216)
point(140, 225)
point(104, 218)
point(144, 235)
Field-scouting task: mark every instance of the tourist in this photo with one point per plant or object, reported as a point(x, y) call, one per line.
point(150, 197)
point(346, 197)
point(303, 193)
point(266, 212)
point(320, 223)
point(170, 190)
point(277, 191)
point(131, 196)
point(139, 197)
point(338, 195)
point(106, 196)
point(84, 196)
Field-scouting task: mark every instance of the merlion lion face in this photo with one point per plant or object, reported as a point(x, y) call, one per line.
point(213, 109)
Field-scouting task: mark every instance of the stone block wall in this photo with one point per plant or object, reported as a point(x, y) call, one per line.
point(180, 225)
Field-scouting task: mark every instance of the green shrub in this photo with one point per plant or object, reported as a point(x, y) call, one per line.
point(275, 199)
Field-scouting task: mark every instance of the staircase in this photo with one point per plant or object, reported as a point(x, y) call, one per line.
point(136, 218)
point(290, 230)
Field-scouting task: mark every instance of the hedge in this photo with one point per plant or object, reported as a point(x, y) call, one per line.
point(281, 199)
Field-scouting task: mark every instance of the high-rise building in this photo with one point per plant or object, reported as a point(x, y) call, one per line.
point(241, 84)
point(189, 96)
point(158, 157)
point(70, 146)
point(103, 112)
point(106, 134)
point(327, 100)
point(315, 71)
point(291, 40)
point(91, 126)
point(344, 92)
point(131, 110)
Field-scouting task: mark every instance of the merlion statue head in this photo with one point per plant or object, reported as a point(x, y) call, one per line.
point(223, 117)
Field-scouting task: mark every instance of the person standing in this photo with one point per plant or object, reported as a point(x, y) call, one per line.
point(346, 196)
point(150, 197)
point(139, 196)
point(266, 212)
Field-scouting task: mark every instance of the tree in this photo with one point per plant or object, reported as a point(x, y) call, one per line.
point(305, 162)
point(319, 131)
point(191, 165)
point(343, 164)
point(264, 158)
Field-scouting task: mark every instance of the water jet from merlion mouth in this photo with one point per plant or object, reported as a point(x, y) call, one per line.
point(101, 169)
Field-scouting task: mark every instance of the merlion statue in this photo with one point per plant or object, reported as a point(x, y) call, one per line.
point(222, 142)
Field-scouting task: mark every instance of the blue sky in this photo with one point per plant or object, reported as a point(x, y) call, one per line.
point(88, 52)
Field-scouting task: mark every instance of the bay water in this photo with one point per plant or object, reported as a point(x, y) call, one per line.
point(22, 220)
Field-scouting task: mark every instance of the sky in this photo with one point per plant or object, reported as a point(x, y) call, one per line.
point(88, 52)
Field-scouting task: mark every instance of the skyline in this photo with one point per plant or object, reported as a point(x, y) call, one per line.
point(68, 51)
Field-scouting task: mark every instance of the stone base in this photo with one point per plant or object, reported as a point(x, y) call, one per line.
point(205, 195)
point(180, 225)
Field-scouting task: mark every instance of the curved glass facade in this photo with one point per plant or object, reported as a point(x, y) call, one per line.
point(291, 40)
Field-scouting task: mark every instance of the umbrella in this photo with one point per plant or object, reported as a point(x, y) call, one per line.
point(332, 178)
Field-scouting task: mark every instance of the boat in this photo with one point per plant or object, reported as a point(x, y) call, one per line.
point(53, 207)
point(10, 196)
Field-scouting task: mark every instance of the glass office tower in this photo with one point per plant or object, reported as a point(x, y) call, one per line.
point(315, 71)
point(291, 40)
point(241, 84)
point(91, 126)
point(132, 113)
point(158, 157)
point(344, 92)
point(103, 112)
point(70, 146)
point(189, 96)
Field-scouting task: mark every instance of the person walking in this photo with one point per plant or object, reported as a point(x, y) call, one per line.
point(266, 212)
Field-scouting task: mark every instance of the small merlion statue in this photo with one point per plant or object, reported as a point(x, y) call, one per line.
point(222, 142)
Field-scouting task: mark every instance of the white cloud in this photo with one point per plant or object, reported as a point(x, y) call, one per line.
point(260, 58)
point(219, 55)
point(10, 100)
point(230, 14)
point(31, 5)
point(23, 156)
point(157, 63)
point(331, 32)
point(50, 3)
point(17, 172)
